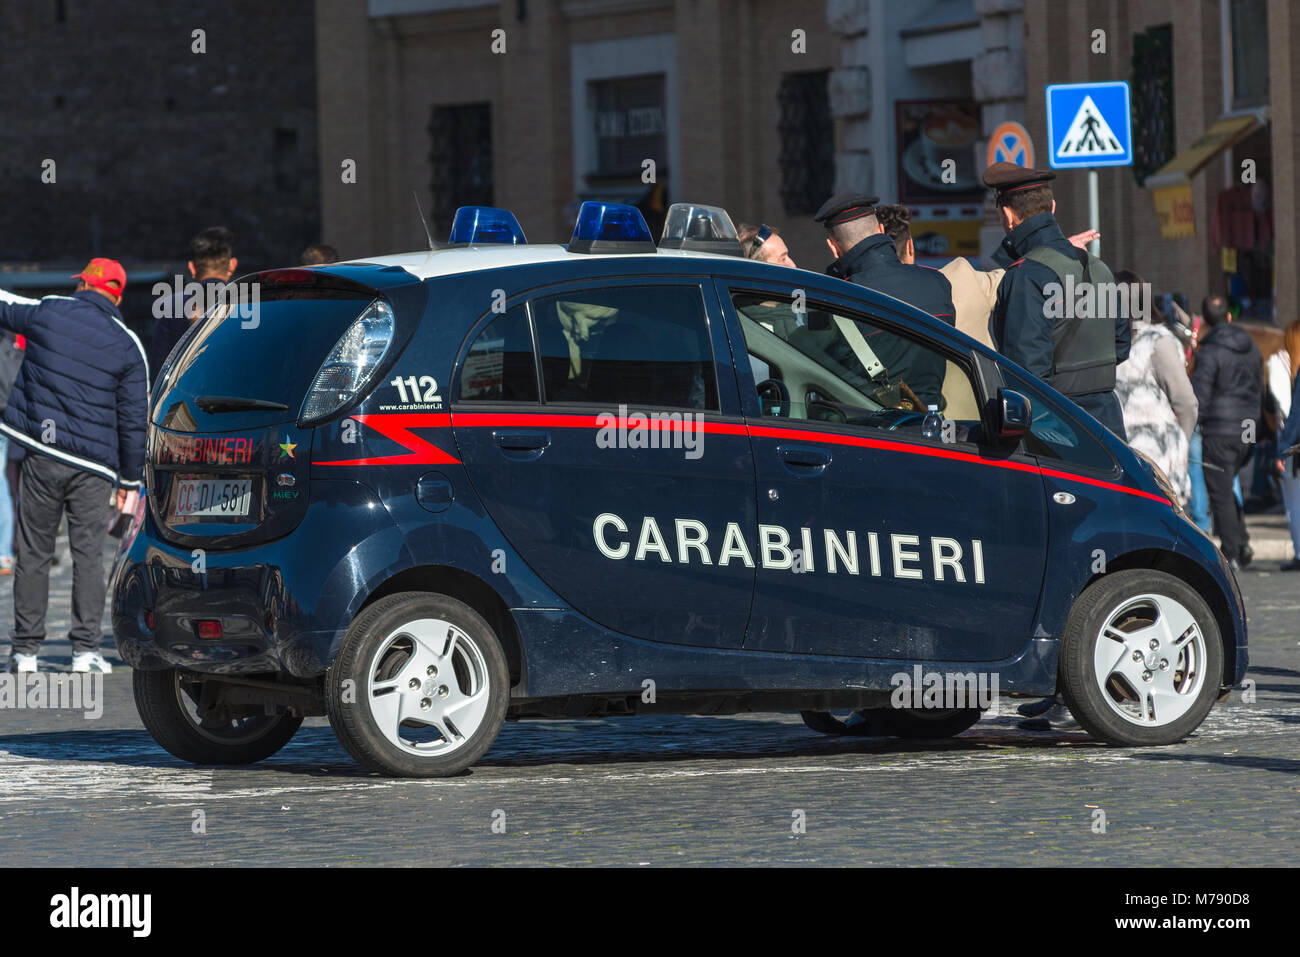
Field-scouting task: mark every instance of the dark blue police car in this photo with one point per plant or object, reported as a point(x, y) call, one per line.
point(427, 493)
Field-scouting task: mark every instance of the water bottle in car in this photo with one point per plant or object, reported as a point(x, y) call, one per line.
point(932, 427)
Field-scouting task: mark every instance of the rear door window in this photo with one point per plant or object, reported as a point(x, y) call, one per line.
point(633, 345)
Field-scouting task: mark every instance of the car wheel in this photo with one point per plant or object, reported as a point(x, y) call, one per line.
point(1141, 659)
point(419, 688)
point(916, 722)
point(168, 702)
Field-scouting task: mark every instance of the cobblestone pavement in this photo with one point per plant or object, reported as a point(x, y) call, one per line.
point(676, 790)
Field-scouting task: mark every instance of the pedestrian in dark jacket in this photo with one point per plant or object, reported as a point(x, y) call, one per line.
point(864, 255)
point(78, 410)
point(211, 264)
point(1228, 382)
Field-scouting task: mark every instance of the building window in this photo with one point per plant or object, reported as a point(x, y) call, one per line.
point(1153, 100)
point(629, 126)
point(807, 141)
point(1249, 53)
point(461, 156)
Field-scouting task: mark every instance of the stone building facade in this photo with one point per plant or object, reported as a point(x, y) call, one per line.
point(967, 52)
point(535, 105)
point(1228, 59)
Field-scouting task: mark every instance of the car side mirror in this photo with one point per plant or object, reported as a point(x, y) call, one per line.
point(1015, 415)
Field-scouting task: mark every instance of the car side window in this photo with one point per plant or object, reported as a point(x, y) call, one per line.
point(1053, 434)
point(828, 365)
point(633, 345)
point(499, 365)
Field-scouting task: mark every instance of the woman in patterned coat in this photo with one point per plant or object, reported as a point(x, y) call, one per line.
point(1154, 391)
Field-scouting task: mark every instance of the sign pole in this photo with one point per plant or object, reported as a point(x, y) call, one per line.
point(1089, 125)
point(1094, 210)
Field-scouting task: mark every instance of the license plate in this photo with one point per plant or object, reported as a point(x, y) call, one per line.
point(202, 498)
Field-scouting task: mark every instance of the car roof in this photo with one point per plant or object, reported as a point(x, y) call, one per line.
point(446, 261)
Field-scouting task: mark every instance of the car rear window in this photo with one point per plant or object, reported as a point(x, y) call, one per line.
point(272, 356)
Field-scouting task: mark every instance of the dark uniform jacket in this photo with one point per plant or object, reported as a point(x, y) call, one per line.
point(874, 264)
point(1019, 326)
point(1228, 381)
point(82, 392)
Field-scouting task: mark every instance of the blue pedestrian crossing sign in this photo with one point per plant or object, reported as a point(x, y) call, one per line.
point(1088, 125)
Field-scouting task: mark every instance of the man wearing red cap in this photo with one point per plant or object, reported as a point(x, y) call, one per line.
point(79, 409)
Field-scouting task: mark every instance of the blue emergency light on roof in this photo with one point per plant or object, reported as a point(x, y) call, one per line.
point(486, 224)
point(702, 228)
point(610, 228)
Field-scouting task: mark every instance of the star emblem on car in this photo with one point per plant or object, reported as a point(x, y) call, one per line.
point(286, 449)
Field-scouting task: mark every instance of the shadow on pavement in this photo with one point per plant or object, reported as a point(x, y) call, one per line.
point(315, 751)
point(1253, 763)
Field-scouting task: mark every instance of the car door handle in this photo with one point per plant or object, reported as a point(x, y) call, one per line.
point(523, 441)
point(802, 459)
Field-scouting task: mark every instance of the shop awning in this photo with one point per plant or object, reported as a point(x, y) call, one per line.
point(1222, 134)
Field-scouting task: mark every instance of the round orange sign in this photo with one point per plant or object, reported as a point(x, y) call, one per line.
point(1010, 143)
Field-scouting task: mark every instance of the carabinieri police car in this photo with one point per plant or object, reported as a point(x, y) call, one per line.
point(427, 493)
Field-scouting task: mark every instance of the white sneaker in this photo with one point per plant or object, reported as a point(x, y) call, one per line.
point(88, 661)
point(22, 664)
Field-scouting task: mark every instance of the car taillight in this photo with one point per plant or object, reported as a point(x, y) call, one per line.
point(350, 365)
point(209, 629)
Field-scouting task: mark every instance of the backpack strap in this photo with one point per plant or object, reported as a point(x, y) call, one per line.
point(1061, 264)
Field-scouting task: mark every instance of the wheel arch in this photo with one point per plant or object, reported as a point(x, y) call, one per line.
point(473, 591)
point(1196, 577)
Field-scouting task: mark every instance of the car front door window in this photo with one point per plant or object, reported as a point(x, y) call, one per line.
point(838, 367)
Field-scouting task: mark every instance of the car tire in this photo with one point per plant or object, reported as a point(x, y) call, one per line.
point(419, 688)
point(1141, 659)
point(916, 722)
point(163, 699)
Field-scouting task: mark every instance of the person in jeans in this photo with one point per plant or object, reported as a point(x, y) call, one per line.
point(1228, 382)
point(79, 412)
point(1284, 377)
point(6, 518)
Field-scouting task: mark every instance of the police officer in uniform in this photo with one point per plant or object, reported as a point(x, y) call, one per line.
point(866, 256)
point(1075, 355)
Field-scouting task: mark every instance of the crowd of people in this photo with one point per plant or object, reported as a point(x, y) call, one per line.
point(1201, 412)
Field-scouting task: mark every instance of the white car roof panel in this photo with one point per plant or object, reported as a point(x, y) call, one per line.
point(428, 263)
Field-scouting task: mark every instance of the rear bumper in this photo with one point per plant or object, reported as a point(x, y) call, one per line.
point(284, 605)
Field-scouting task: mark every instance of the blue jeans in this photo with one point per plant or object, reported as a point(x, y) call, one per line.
point(1199, 504)
point(6, 505)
